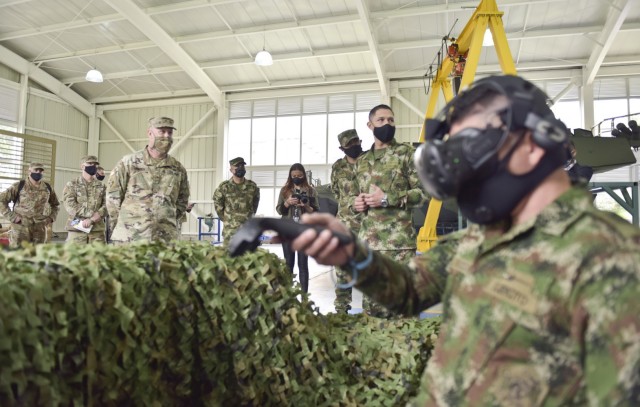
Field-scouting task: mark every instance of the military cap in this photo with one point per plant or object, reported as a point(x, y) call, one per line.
point(346, 136)
point(36, 165)
point(89, 159)
point(237, 161)
point(159, 122)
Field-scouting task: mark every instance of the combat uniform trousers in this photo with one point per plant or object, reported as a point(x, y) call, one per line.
point(81, 237)
point(34, 233)
point(372, 308)
point(344, 296)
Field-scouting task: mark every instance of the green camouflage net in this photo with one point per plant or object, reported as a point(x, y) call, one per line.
point(185, 324)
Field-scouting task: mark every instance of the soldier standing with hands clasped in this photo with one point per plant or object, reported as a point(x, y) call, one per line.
point(389, 189)
point(236, 199)
point(35, 205)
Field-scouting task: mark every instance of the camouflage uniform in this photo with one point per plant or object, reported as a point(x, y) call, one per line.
point(146, 197)
point(544, 313)
point(32, 208)
point(389, 230)
point(344, 186)
point(235, 204)
point(81, 200)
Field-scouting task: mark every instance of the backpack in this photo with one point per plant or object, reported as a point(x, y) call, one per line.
point(21, 185)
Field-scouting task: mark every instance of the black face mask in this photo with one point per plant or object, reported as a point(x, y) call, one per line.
point(353, 151)
point(36, 176)
point(297, 181)
point(100, 177)
point(494, 198)
point(91, 169)
point(384, 133)
point(240, 172)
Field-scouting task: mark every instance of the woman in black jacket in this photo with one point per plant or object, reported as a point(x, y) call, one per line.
point(297, 197)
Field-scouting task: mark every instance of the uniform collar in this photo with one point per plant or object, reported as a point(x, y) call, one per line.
point(148, 160)
point(553, 220)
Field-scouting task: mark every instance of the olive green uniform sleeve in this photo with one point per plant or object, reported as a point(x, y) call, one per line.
point(54, 204)
point(406, 289)
point(256, 200)
point(218, 201)
point(116, 190)
point(183, 194)
point(7, 196)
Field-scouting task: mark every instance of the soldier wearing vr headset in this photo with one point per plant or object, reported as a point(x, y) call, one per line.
point(540, 293)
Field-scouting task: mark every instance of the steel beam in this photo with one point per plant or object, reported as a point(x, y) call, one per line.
point(163, 40)
point(24, 67)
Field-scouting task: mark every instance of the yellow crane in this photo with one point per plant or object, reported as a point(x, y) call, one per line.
point(467, 46)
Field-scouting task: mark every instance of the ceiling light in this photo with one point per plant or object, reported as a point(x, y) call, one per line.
point(263, 58)
point(94, 76)
point(487, 41)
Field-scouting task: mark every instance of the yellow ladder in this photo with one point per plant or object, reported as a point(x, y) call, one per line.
point(469, 40)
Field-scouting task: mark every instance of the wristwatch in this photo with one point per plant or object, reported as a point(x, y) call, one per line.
point(384, 202)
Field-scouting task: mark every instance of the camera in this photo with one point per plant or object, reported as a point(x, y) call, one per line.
point(301, 196)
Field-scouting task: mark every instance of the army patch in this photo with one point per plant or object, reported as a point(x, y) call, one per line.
point(520, 386)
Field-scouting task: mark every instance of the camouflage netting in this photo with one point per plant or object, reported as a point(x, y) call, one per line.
point(149, 324)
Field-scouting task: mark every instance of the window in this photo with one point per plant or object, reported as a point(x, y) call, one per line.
point(239, 139)
point(263, 141)
point(288, 145)
point(273, 134)
point(569, 112)
point(608, 108)
point(314, 139)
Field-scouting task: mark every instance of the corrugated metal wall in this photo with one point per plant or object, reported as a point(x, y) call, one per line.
point(9, 74)
point(408, 121)
point(198, 154)
point(51, 118)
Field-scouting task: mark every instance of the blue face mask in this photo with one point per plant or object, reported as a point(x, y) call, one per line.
point(298, 181)
point(36, 176)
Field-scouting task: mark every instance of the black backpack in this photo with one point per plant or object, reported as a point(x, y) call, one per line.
point(21, 185)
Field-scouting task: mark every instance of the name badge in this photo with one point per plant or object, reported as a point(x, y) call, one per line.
point(514, 289)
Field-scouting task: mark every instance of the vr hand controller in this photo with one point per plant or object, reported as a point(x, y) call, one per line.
point(247, 238)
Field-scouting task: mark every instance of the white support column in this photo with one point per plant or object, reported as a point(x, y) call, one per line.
point(94, 136)
point(376, 56)
point(586, 106)
point(618, 11)
point(22, 107)
point(221, 141)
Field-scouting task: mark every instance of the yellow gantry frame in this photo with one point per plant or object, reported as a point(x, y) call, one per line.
point(470, 39)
